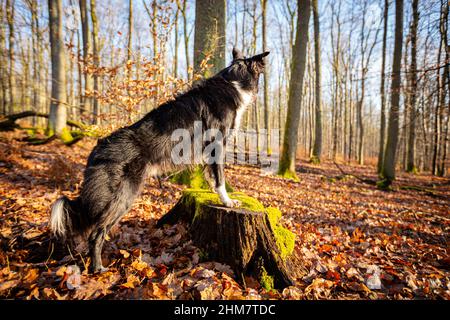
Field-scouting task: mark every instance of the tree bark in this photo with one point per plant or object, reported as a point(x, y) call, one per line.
point(388, 172)
point(186, 37)
point(130, 32)
point(36, 56)
point(95, 49)
point(175, 56)
point(250, 240)
point(446, 76)
point(58, 112)
point(210, 34)
point(288, 156)
point(87, 101)
point(12, 77)
point(317, 150)
point(382, 90)
point(440, 86)
point(266, 76)
point(3, 62)
point(411, 162)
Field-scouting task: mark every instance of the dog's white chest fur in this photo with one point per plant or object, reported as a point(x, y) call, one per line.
point(246, 98)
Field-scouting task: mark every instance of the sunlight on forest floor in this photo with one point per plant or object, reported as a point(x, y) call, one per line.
point(356, 242)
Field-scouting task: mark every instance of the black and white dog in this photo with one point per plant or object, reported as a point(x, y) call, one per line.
point(118, 165)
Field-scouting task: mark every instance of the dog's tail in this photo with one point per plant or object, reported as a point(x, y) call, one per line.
point(64, 218)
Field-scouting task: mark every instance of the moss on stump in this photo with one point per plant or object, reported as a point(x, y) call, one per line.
point(195, 178)
point(250, 239)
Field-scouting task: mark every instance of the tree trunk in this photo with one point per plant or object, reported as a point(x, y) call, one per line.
point(446, 76)
point(130, 32)
point(388, 172)
point(58, 112)
point(382, 90)
point(186, 37)
point(80, 76)
point(12, 77)
point(288, 156)
point(317, 150)
point(36, 56)
point(439, 87)
point(175, 56)
point(95, 52)
point(266, 76)
point(250, 240)
point(411, 162)
point(3, 71)
point(209, 38)
point(87, 101)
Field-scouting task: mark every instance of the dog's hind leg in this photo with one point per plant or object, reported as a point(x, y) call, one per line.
point(96, 239)
point(117, 209)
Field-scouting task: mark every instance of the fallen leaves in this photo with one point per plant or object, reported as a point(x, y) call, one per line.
point(355, 242)
point(319, 289)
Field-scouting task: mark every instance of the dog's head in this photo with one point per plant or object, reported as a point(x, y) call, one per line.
point(244, 70)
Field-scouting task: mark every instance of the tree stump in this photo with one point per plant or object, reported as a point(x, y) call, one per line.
point(249, 239)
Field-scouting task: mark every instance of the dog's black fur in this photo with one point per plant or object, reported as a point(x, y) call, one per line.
point(118, 165)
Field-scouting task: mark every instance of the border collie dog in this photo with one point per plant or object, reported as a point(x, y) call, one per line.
point(118, 165)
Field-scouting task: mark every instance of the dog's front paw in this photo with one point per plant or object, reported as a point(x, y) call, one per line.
point(231, 203)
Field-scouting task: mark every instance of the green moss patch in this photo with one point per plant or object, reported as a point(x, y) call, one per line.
point(384, 185)
point(314, 160)
point(195, 179)
point(266, 281)
point(65, 135)
point(288, 174)
point(204, 197)
point(285, 238)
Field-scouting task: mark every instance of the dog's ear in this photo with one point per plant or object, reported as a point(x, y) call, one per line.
point(261, 56)
point(258, 61)
point(237, 54)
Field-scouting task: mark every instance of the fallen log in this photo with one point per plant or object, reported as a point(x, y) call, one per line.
point(249, 239)
point(8, 123)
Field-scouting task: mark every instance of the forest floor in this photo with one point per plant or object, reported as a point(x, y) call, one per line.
point(356, 242)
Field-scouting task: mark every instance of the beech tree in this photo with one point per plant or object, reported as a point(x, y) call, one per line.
point(388, 171)
point(289, 152)
point(58, 113)
point(317, 150)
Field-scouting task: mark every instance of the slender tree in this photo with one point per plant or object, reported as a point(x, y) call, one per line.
point(58, 112)
point(439, 164)
point(87, 43)
point(183, 9)
point(411, 162)
point(317, 149)
point(3, 63)
point(366, 50)
point(175, 56)
point(130, 31)
point(95, 52)
point(10, 5)
point(36, 55)
point(382, 89)
point(388, 172)
point(288, 156)
point(446, 76)
point(266, 76)
point(439, 95)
